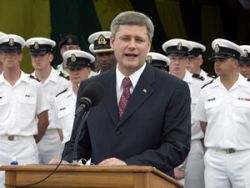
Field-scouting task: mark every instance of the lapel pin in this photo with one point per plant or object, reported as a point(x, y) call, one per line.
point(144, 90)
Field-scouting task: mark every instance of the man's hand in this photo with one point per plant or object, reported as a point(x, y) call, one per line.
point(179, 173)
point(112, 162)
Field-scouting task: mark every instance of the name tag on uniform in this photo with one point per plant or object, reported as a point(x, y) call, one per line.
point(244, 99)
point(211, 99)
point(61, 109)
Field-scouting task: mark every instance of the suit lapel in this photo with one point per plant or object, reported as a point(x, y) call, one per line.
point(141, 92)
point(110, 97)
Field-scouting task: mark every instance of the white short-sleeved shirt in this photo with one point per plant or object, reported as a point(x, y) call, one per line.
point(20, 104)
point(64, 112)
point(227, 113)
point(195, 85)
point(53, 85)
point(207, 78)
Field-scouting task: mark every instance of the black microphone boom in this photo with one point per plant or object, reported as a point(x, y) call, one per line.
point(91, 96)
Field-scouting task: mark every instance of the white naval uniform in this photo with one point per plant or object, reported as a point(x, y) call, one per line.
point(60, 69)
point(227, 113)
point(19, 106)
point(194, 171)
point(93, 73)
point(206, 76)
point(50, 146)
point(64, 112)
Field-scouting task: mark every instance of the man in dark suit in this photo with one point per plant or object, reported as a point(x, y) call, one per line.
point(154, 128)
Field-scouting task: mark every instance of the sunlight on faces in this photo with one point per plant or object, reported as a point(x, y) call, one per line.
point(41, 62)
point(131, 46)
point(178, 65)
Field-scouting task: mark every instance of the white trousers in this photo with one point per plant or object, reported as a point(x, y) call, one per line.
point(194, 171)
point(21, 149)
point(224, 170)
point(50, 147)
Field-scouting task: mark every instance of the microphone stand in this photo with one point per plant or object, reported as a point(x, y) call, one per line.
point(75, 161)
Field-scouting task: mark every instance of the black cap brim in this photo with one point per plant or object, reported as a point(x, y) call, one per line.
point(221, 57)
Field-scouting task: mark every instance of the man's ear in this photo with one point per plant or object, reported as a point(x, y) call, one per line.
point(112, 39)
point(51, 57)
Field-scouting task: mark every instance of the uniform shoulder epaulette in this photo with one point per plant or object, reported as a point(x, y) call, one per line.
point(207, 84)
point(211, 75)
point(198, 77)
point(62, 92)
point(33, 77)
point(63, 75)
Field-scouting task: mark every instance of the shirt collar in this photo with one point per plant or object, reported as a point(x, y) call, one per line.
point(203, 73)
point(188, 77)
point(241, 81)
point(52, 76)
point(133, 77)
point(23, 77)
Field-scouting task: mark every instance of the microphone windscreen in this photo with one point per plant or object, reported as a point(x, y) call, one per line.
point(94, 91)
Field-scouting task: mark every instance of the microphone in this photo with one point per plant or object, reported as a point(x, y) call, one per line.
point(91, 96)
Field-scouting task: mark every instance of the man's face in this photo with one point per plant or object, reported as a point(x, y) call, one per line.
point(79, 74)
point(1, 62)
point(131, 46)
point(178, 65)
point(194, 64)
point(1, 57)
point(245, 70)
point(225, 67)
point(41, 62)
point(65, 48)
point(11, 59)
point(105, 61)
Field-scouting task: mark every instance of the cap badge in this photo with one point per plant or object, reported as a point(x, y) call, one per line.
point(179, 46)
point(245, 53)
point(101, 40)
point(70, 41)
point(149, 59)
point(11, 42)
point(73, 57)
point(36, 45)
point(217, 48)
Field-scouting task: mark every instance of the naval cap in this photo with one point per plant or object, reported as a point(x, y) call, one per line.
point(158, 60)
point(245, 58)
point(223, 49)
point(78, 58)
point(197, 49)
point(101, 41)
point(40, 45)
point(69, 40)
point(179, 47)
point(11, 43)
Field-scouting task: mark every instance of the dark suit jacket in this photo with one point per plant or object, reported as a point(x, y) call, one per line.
point(154, 129)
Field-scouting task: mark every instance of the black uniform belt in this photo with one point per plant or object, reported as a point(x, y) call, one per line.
point(14, 137)
point(226, 150)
